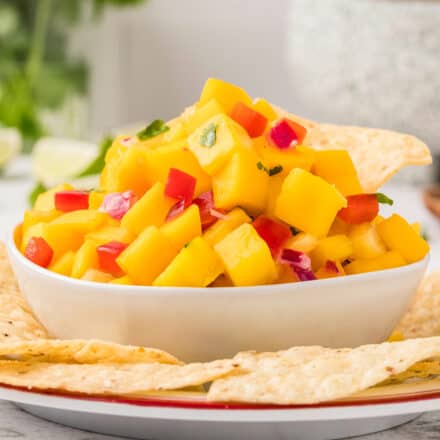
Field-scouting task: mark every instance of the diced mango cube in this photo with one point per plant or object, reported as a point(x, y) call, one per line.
point(260, 105)
point(286, 274)
point(97, 276)
point(241, 183)
point(221, 228)
point(308, 202)
point(151, 209)
point(226, 94)
point(216, 141)
point(275, 184)
point(388, 260)
point(32, 217)
point(82, 220)
point(246, 257)
point(129, 172)
point(148, 255)
point(271, 157)
point(106, 234)
point(334, 248)
point(86, 258)
point(36, 230)
point(417, 227)
point(330, 269)
point(46, 200)
point(176, 155)
point(336, 167)
point(196, 265)
point(366, 241)
point(64, 264)
point(339, 227)
point(399, 236)
point(96, 198)
point(184, 228)
point(125, 281)
point(302, 242)
point(200, 115)
point(117, 149)
point(222, 281)
point(176, 133)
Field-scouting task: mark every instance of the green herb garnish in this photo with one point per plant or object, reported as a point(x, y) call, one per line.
point(425, 235)
point(271, 171)
point(156, 128)
point(209, 136)
point(98, 164)
point(382, 198)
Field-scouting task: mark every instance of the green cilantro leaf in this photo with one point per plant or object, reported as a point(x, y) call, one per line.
point(209, 136)
point(382, 198)
point(98, 163)
point(271, 171)
point(156, 128)
point(425, 235)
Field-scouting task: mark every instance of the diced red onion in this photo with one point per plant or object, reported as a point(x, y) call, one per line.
point(299, 262)
point(283, 136)
point(116, 205)
point(218, 214)
point(176, 210)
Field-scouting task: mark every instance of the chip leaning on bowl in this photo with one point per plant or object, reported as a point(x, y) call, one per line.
point(230, 194)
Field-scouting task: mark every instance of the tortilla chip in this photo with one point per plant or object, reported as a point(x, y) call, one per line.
point(17, 321)
point(83, 352)
point(111, 379)
point(329, 375)
point(423, 317)
point(377, 154)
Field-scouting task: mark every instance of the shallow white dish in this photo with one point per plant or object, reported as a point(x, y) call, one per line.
point(187, 418)
point(210, 323)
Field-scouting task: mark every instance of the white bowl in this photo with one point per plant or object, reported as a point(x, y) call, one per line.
point(199, 324)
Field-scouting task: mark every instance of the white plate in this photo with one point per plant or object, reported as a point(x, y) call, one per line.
point(186, 416)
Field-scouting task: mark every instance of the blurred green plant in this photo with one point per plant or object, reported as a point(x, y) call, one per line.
point(36, 72)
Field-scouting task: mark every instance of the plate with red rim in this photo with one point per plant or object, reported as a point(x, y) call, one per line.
point(187, 415)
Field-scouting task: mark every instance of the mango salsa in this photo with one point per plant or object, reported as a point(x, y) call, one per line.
point(226, 194)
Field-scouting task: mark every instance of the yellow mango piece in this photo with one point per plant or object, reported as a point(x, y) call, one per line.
point(226, 94)
point(377, 219)
point(339, 227)
point(302, 242)
point(32, 217)
point(396, 336)
point(336, 167)
point(200, 115)
point(125, 280)
point(308, 203)
point(107, 234)
point(96, 198)
point(64, 264)
point(148, 255)
point(241, 183)
point(417, 227)
point(260, 105)
point(36, 230)
point(86, 258)
point(399, 236)
point(175, 133)
point(183, 228)
point(325, 272)
point(214, 142)
point(246, 257)
point(298, 157)
point(97, 276)
point(176, 155)
point(366, 242)
point(151, 209)
point(285, 274)
point(222, 227)
point(46, 200)
point(196, 265)
point(274, 189)
point(388, 260)
point(82, 220)
point(117, 150)
point(334, 248)
point(62, 238)
point(129, 172)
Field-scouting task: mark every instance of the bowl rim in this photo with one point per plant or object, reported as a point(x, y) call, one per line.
point(181, 290)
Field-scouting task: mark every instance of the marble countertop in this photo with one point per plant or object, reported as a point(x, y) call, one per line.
point(16, 424)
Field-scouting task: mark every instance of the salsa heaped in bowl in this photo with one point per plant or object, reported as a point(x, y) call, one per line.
point(228, 194)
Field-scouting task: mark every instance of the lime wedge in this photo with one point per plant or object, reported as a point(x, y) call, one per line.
point(10, 144)
point(59, 160)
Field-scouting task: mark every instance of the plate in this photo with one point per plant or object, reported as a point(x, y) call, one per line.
point(187, 415)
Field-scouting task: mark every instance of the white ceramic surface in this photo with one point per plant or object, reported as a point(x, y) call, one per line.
point(202, 324)
point(174, 423)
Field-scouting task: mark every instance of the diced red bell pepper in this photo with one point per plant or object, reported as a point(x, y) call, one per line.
point(38, 251)
point(299, 262)
point(205, 202)
point(116, 205)
point(67, 201)
point(180, 186)
point(360, 208)
point(286, 133)
point(253, 122)
point(273, 233)
point(107, 254)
